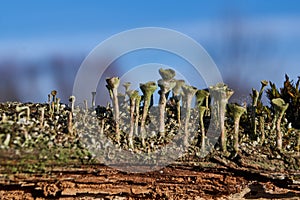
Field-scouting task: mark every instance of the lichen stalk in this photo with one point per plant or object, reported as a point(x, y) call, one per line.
point(221, 94)
point(280, 107)
point(137, 114)
point(70, 123)
point(177, 97)
point(262, 129)
point(147, 89)
point(202, 110)
point(112, 85)
point(237, 111)
point(165, 87)
point(189, 93)
point(42, 114)
point(86, 107)
point(72, 103)
point(53, 93)
point(22, 108)
point(57, 105)
point(93, 99)
point(263, 83)
point(133, 95)
point(255, 95)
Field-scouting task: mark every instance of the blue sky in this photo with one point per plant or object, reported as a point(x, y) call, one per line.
point(45, 18)
point(56, 20)
point(255, 37)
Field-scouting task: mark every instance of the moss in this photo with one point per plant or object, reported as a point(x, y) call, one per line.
point(52, 144)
